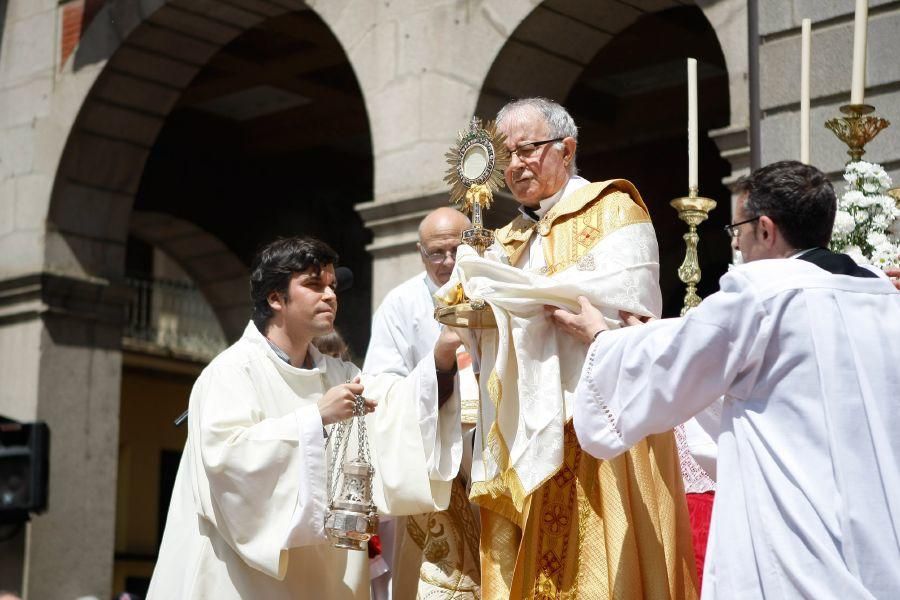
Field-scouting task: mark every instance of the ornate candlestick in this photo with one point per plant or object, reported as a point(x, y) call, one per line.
point(856, 129)
point(352, 518)
point(477, 162)
point(693, 210)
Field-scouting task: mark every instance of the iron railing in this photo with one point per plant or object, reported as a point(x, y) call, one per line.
point(172, 317)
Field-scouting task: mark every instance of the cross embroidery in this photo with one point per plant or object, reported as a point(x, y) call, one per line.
point(588, 236)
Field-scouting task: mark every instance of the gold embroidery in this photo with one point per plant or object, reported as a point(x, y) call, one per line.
point(606, 529)
point(514, 237)
point(495, 389)
point(588, 236)
point(575, 235)
point(500, 540)
point(415, 531)
point(594, 529)
point(450, 548)
point(619, 205)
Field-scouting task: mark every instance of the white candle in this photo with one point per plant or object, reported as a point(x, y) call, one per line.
point(805, 36)
point(857, 89)
point(692, 124)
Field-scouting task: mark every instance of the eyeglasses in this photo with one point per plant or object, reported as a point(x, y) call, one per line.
point(438, 256)
point(733, 231)
point(526, 151)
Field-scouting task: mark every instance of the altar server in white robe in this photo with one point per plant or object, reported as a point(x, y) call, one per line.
point(404, 329)
point(248, 507)
point(804, 345)
point(404, 332)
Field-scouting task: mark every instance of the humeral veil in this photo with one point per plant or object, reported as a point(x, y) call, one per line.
point(556, 522)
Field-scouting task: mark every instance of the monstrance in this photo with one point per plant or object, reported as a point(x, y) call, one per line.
point(477, 162)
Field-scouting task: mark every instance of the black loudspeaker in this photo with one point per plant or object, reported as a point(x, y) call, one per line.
point(24, 469)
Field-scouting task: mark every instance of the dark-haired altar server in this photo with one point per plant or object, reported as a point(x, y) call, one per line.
point(248, 508)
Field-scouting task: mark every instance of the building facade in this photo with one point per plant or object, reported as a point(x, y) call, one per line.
point(199, 129)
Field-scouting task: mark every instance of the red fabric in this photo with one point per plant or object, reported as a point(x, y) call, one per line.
point(374, 546)
point(700, 510)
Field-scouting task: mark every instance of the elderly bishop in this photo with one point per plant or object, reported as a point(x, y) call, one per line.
point(557, 522)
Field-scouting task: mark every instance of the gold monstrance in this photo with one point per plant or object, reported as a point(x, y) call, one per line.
point(477, 162)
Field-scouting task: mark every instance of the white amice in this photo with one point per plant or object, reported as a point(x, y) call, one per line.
point(807, 502)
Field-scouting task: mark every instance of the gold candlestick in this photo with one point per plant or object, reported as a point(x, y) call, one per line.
point(856, 129)
point(693, 210)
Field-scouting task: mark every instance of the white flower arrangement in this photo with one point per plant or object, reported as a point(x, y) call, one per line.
point(867, 223)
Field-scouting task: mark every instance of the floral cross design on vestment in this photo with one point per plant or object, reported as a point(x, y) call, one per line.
point(555, 519)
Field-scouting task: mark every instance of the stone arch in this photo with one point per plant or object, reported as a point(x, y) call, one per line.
point(154, 50)
point(558, 39)
point(598, 59)
point(580, 29)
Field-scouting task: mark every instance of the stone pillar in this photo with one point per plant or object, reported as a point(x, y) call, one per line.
point(729, 19)
point(395, 228)
point(61, 338)
point(734, 146)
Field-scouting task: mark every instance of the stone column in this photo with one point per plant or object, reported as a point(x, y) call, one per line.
point(729, 19)
point(395, 227)
point(61, 338)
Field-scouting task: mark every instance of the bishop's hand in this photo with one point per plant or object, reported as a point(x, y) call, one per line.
point(584, 325)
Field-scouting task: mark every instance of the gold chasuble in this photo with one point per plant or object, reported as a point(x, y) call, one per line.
point(579, 527)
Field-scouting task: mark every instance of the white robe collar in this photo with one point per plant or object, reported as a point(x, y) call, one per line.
point(258, 340)
point(572, 184)
point(432, 286)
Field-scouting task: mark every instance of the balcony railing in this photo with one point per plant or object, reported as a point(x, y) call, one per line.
point(172, 318)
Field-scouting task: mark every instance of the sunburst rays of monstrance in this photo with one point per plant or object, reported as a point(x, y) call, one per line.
point(477, 161)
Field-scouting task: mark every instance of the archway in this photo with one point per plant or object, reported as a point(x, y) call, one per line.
point(620, 70)
point(233, 118)
point(246, 133)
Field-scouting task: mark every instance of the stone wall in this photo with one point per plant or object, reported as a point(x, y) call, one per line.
point(831, 61)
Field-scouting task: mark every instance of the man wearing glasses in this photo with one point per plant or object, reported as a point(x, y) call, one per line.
point(404, 333)
point(804, 345)
point(555, 521)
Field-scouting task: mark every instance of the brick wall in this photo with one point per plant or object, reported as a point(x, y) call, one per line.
point(76, 18)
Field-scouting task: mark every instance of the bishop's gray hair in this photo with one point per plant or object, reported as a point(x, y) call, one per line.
point(558, 119)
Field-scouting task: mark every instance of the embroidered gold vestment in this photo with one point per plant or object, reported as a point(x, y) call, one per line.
point(591, 529)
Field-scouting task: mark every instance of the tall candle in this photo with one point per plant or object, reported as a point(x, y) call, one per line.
point(692, 124)
point(858, 86)
point(805, 36)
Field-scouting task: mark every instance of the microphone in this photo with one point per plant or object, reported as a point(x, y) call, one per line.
point(344, 277)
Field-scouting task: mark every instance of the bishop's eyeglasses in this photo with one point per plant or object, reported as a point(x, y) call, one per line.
point(732, 229)
point(526, 151)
